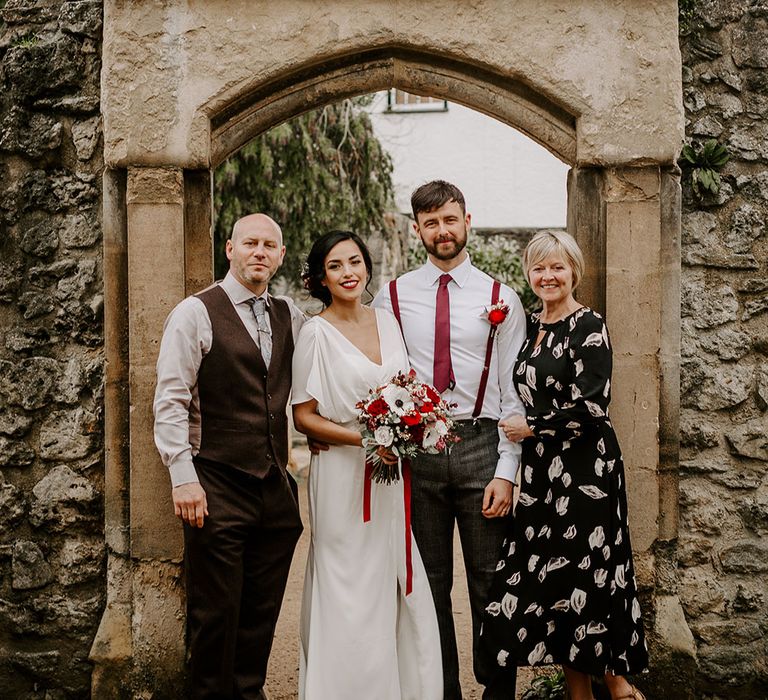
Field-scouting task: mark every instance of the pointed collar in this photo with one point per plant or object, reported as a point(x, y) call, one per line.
point(460, 274)
point(239, 293)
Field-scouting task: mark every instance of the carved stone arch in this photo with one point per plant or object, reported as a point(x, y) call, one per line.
point(210, 90)
point(236, 119)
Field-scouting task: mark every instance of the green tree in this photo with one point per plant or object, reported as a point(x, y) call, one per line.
point(320, 171)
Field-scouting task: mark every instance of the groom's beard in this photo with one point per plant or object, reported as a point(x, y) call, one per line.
point(444, 251)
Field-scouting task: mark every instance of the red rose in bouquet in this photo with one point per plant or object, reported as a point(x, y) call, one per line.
point(377, 407)
point(411, 419)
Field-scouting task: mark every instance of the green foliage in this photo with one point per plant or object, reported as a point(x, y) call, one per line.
point(688, 20)
point(704, 164)
point(547, 686)
point(497, 256)
point(26, 41)
point(322, 170)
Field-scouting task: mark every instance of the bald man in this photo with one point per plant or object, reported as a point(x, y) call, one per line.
point(223, 377)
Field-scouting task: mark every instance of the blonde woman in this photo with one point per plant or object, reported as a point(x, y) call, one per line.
point(565, 590)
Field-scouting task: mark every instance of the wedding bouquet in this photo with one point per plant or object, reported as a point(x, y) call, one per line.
point(407, 417)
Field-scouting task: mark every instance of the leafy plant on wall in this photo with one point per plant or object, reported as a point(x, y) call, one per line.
point(320, 171)
point(704, 164)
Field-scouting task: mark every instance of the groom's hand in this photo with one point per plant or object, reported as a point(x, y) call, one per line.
point(190, 503)
point(316, 446)
point(497, 498)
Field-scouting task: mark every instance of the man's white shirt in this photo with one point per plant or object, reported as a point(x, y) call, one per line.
point(470, 300)
point(187, 339)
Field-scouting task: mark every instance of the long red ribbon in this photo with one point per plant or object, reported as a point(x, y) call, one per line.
point(367, 491)
point(406, 469)
point(407, 506)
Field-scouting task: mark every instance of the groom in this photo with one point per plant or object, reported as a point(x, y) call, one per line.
point(223, 377)
point(443, 309)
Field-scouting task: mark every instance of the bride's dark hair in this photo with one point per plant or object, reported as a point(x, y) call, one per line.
point(314, 270)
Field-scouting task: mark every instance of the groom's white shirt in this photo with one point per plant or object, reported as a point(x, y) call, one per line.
point(187, 338)
point(470, 294)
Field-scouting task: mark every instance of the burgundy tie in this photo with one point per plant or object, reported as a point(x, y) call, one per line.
point(443, 371)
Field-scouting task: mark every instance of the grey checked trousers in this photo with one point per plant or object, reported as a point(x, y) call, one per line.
point(448, 490)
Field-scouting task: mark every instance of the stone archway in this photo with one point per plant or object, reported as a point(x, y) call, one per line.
point(236, 120)
point(623, 208)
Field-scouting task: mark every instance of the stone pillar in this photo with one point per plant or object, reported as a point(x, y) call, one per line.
point(642, 291)
point(157, 250)
point(156, 270)
point(198, 229)
point(633, 311)
point(157, 282)
point(586, 223)
point(111, 649)
point(669, 357)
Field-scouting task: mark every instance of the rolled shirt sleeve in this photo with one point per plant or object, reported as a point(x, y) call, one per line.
point(509, 339)
point(187, 338)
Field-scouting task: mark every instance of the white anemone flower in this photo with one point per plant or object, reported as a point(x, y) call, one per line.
point(398, 399)
point(432, 436)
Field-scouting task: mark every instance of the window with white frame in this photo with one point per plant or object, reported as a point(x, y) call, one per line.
point(401, 101)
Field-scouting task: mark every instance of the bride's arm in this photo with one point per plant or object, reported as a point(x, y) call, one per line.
point(308, 421)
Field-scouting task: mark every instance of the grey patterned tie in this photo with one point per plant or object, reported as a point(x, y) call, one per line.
point(258, 306)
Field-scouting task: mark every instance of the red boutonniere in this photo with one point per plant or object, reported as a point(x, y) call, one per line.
point(497, 313)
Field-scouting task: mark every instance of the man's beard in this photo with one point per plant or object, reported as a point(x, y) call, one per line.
point(447, 253)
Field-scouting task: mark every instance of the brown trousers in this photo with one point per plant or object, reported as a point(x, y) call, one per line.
point(236, 569)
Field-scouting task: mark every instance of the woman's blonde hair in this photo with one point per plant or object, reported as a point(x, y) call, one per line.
point(546, 243)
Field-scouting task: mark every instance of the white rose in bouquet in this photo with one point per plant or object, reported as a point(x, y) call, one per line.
point(384, 436)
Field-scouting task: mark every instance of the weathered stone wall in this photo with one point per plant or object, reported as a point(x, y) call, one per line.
point(52, 574)
point(723, 552)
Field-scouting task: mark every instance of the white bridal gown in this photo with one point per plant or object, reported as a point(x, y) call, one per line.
point(361, 636)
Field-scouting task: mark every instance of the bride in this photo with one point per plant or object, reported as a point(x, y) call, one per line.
point(361, 635)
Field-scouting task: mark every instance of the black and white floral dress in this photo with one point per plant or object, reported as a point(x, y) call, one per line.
point(565, 589)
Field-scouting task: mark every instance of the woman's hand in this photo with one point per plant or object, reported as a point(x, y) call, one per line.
point(386, 455)
point(515, 428)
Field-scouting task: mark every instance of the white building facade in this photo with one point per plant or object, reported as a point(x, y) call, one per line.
point(509, 181)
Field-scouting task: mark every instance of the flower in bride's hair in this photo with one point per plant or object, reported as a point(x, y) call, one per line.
point(398, 399)
point(383, 436)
